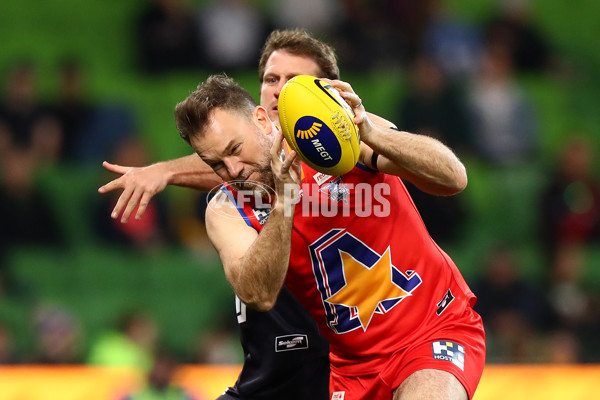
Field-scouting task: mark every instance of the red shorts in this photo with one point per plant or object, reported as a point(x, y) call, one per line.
point(458, 348)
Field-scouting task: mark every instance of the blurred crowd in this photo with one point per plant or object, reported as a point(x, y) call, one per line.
point(463, 88)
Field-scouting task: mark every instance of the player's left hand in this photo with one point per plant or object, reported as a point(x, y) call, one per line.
point(139, 185)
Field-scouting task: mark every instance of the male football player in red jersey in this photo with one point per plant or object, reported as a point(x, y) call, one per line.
point(396, 311)
point(141, 184)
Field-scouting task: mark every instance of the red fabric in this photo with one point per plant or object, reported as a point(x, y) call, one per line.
point(373, 283)
point(467, 331)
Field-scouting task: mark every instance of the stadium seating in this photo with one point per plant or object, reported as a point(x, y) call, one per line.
point(188, 292)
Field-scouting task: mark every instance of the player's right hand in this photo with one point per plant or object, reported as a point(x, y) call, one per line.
point(139, 185)
point(286, 173)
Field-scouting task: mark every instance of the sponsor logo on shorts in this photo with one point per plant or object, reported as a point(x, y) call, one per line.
point(449, 351)
point(291, 342)
point(338, 395)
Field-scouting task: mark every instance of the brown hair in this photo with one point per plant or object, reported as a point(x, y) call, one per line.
point(192, 115)
point(299, 42)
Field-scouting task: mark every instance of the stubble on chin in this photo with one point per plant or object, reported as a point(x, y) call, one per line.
point(263, 181)
point(263, 185)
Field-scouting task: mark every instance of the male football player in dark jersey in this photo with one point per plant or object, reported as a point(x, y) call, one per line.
point(284, 354)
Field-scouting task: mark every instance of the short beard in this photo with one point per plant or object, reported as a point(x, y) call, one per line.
point(264, 185)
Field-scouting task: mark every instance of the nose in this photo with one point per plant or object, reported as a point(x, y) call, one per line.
point(279, 87)
point(234, 167)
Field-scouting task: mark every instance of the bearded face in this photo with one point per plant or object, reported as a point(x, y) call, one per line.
point(238, 149)
point(258, 178)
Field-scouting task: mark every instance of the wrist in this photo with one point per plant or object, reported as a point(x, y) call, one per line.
point(365, 130)
point(286, 202)
point(165, 172)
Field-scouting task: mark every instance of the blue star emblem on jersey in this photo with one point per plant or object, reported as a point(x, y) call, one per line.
point(356, 282)
point(337, 190)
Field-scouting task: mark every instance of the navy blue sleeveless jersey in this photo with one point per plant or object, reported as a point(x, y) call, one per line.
point(285, 356)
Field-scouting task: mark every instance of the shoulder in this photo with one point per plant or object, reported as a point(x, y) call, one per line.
point(225, 221)
point(220, 206)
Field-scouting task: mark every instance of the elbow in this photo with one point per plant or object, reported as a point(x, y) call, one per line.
point(456, 182)
point(257, 293)
point(262, 304)
point(461, 180)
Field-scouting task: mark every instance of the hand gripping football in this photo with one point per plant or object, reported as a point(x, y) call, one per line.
point(319, 125)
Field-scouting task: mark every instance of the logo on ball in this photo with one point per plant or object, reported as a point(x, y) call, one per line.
point(314, 129)
point(317, 141)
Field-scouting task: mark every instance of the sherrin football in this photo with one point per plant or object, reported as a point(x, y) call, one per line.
point(319, 125)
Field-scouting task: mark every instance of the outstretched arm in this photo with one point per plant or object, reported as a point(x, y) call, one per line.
point(420, 159)
point(140, 184)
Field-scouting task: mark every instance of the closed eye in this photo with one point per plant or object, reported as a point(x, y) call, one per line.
point(214, 165)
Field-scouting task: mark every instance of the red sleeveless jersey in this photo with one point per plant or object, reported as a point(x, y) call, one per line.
point(365, 267)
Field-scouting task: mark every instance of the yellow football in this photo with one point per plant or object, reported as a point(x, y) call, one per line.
point(319, 125)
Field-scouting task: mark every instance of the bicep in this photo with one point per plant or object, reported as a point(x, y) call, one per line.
point(229, 234)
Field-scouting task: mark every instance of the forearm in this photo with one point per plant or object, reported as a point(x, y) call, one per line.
point(260, 274)
point(189, 171)
point(422, 160)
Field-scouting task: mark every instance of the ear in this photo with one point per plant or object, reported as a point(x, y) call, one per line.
point(262, 120)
